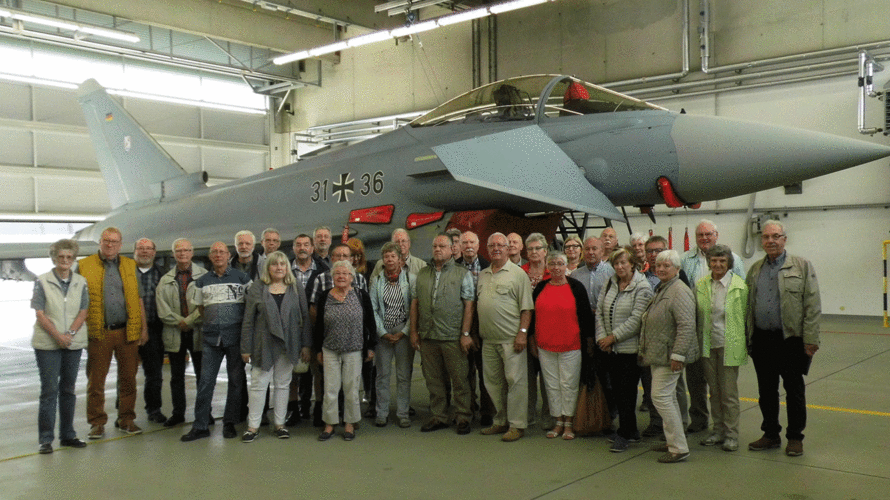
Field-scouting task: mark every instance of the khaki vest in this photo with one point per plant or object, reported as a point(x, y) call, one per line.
point(94, 271)
point(443, 319)
point(61, 310)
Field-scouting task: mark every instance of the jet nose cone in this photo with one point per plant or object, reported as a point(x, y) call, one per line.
point(721, 158)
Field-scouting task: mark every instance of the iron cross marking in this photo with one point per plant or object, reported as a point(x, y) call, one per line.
point(343, 188)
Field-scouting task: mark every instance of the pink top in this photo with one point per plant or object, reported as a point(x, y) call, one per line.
point(556, 319)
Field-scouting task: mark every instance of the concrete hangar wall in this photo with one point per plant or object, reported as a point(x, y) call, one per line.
point(839, 220)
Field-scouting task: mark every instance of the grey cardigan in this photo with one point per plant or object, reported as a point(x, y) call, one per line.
point(623, 321)
point(668, 331)
point(265, 331)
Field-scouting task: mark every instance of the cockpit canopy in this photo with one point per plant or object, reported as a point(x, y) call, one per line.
point(531, 97)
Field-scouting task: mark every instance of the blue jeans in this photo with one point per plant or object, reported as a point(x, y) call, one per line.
point(58, 373)
point(211, 359)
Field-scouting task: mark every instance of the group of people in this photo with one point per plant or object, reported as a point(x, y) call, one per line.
point(488, 332)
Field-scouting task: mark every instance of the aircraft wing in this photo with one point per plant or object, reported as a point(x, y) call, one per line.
point(525, 162)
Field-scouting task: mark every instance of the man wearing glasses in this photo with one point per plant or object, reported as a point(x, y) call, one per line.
point(117, 327)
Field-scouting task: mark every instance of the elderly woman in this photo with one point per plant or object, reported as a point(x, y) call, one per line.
point(667, 343)
point(391, 299)
point(572, 247)
point(60, 301)
point(275, 335)
point(638, 244)
point(722, 299)
point(536, 267)
point(344, 330)
point(562, 324)
point(619, 310)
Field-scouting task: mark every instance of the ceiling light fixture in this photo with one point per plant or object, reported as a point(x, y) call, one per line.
point(64, 24)
point(379, 36)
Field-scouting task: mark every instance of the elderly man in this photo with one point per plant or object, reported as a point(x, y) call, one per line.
point(593, 273)
point(441, 315)
point(469, 255)
point(182, 323)
point(152, 352)
point(695, 264)
point(412, 264)
point(219, 296)
point(505, 306)
point(246, 258)
point(784, 309)
point(322, 244)
point(117, 327)
point(514, 250)
point(271, 241)
point(609, 238)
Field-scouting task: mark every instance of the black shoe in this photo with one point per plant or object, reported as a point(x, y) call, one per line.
point(157, 417)
point(411, 411)
point(174, 420)
point(371, 412)
point(463, 427)
point(211, 420)
point(229, 431)
point(195, 434)
point(72, 443)
point(486, 421)
point(45, 448)
point(294, 419)
point(433, 425)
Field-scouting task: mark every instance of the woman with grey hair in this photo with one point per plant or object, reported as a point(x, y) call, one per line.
point(638, 244)
point(536, 267)
point(391, 299)
point(668, 343)
point(722, 299)
point(60, 301)
point(619, 309)
point(561, 326)
point(344, 330)
point(275, 336)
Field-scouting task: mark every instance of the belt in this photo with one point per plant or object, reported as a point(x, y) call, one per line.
point(116, 326)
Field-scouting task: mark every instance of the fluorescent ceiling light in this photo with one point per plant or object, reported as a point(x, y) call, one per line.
point(188, 102)
point(65, 24)
point(515, 4)
point(5, 13)
point(461, 17)
point(45, 21)
point(377, 36)
point(296, 56)
point(327, 49)
point(414, 28)
point(37, 81)
point(106, 33)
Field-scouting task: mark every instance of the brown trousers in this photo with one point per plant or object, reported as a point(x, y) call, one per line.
point(99, 354)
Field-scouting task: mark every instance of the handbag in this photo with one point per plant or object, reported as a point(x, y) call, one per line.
point(592, 415)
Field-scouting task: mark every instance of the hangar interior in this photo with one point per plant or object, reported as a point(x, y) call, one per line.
point(202, 81)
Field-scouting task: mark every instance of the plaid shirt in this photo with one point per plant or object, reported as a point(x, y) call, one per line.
point(148, 283)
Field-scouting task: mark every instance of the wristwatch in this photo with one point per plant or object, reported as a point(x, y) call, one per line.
point(523, 330)
point(466, 334)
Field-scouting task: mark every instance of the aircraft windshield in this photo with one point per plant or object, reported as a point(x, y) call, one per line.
point(516, 99)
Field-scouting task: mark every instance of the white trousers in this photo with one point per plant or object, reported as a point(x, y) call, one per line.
point(280, 375)
point(562, 373)
point(664, 397)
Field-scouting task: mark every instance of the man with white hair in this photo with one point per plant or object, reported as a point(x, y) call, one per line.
point(246, 258)
point(695, 264)
point(784, 309)
point(609, 239)
point(412, 264)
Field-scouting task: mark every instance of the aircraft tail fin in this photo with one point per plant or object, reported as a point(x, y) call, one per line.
point(135, 167)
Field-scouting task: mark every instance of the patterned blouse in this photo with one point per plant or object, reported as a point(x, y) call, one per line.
point(343, 324)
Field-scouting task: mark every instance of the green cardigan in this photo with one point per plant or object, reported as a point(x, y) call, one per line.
point(735, 349)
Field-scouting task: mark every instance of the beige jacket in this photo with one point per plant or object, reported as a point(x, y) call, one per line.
point(668, 327)
point(169, 311)
point(798, 296)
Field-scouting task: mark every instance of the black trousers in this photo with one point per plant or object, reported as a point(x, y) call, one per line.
point(177, 372)
point(774, 357)
point(624, 374)
point(152, 355)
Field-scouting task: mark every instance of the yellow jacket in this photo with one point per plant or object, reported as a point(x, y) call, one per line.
point(94, 271)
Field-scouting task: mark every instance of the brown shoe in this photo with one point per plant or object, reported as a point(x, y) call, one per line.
point(663, 448)
point(96, 432)
point(494, 429)
point(513, 435)
point(794, 448)
point(764, 443)
point(128, 427)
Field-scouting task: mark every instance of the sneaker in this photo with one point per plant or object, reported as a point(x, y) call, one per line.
point(513, 435)
point(128, 427)
point(229, 431)
point(765, 443)
point(619, 445)
point(672, 458)
point(612, 437)
point(404, 423)
point(96, 432)
point(281, 433)
point(652, 430)
point(248, 437)
point(794, 448)
point(72, 443)
point(712, 440)
point(45, 448)
point(494, 429)
point(380, 421)
point(634, 439)
point(730, 444)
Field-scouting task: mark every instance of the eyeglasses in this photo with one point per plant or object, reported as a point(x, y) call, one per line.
point(773, 237)
point(496, 245)
point(572, 247)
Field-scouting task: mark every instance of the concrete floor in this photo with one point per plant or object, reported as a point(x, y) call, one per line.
point(845, 451)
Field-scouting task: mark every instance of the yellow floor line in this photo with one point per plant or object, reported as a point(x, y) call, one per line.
point(832, 408)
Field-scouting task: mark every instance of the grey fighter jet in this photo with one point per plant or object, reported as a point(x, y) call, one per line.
point(532, 144)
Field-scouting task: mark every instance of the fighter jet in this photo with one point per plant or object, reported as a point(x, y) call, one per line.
point(526, 145)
